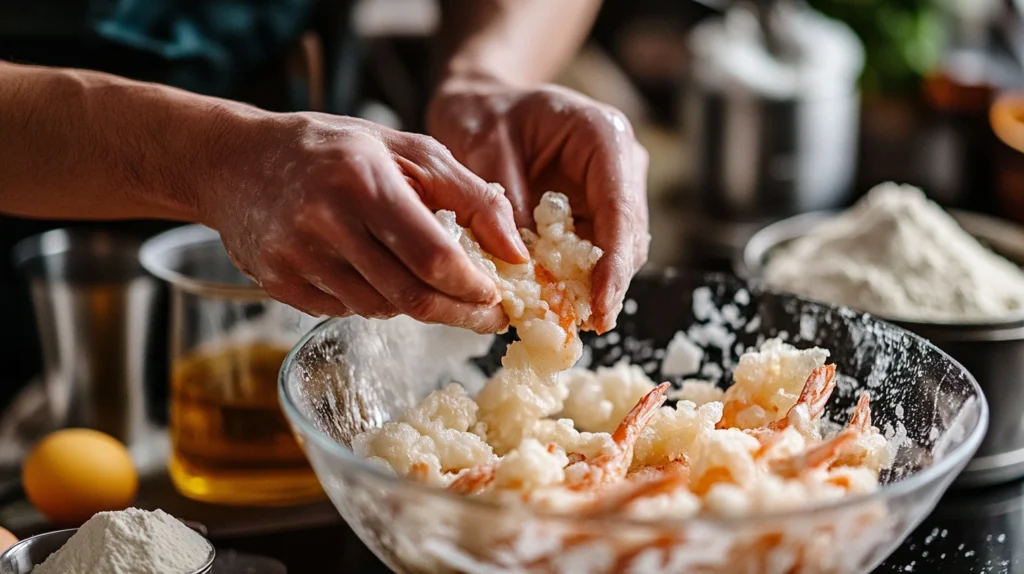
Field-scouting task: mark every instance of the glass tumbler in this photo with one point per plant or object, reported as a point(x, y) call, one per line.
point(230, 443)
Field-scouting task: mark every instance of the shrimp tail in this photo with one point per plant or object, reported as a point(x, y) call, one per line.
point(613, 466)
point(814, 396)
point(861, 419)
point(640, 416)
point(815, 457)
point(817, 389)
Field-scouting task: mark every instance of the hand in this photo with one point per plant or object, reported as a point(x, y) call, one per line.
point(336, 217)
point(552, 138)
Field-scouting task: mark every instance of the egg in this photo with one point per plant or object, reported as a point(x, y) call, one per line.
point(75, 473)
point(6, 540)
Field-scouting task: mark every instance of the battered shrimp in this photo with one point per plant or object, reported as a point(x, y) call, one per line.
point(767, 383)
point(830, 452)
point(869, 448)
point(612, 467)
point(583, 474)
point(473, 480)
point(548, 298)
point(644, 482)
point(805, 415)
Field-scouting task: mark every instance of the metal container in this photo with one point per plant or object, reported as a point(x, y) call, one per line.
point(757, 157)
point(94, 306)
point(992, 352)
point(24, 556)
point(774, 140)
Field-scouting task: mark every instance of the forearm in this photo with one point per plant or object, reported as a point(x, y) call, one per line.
point(84, 145)
point(520, 42)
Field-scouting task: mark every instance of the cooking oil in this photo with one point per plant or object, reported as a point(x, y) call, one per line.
point(231, 444)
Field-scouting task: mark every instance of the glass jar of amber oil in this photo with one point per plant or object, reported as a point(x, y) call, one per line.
point(230, 442)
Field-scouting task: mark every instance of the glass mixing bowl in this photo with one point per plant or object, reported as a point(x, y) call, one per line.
point(351, 374)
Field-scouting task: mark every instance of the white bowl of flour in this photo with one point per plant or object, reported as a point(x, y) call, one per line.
point(954, 278)
point(131, 541)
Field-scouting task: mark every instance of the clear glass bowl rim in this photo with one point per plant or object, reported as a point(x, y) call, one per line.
point(918, 482)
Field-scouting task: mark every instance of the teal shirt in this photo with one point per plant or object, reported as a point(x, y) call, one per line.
point(206, 46)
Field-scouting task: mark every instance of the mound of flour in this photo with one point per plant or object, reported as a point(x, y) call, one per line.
point(131, 541)
point(896, 254)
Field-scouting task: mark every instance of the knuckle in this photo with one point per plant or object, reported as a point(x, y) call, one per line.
point(437, 265)
point(616, 122)
point(379, 311)
point(356, 165)
point(278, 289)
point(624, 209)
point(491, 196)
point(419, 303)
point(429, 145)
point(272, 252)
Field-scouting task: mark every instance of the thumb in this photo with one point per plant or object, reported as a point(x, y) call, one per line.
point(497, 160)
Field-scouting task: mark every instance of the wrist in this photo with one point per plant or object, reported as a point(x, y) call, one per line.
point(182, 153)
point(231, 149)
point(453, 89)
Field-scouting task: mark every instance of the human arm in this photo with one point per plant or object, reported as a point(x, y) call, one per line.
point(519, 42)
point(492, 110)
point(329, 214)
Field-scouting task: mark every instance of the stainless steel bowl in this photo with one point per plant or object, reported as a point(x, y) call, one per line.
point(993, 352)
point(24, 556)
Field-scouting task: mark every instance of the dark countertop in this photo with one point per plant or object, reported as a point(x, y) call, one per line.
point(979, 530)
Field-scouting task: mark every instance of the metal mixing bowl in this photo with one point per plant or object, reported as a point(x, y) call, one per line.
point(24, 556)
point(993, 352)
point(348, 375)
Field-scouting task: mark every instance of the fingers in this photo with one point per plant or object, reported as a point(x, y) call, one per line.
point(400, 221)
point(416, 299)
point(616, 190)
point(359, 275)
point(292, 290)
point(383, 276)
point(446, 184)
point(343, 283)
point(642, 245)
point(497, 159)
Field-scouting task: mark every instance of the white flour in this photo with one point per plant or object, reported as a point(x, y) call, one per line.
point(896, 254)
point(132, 541)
